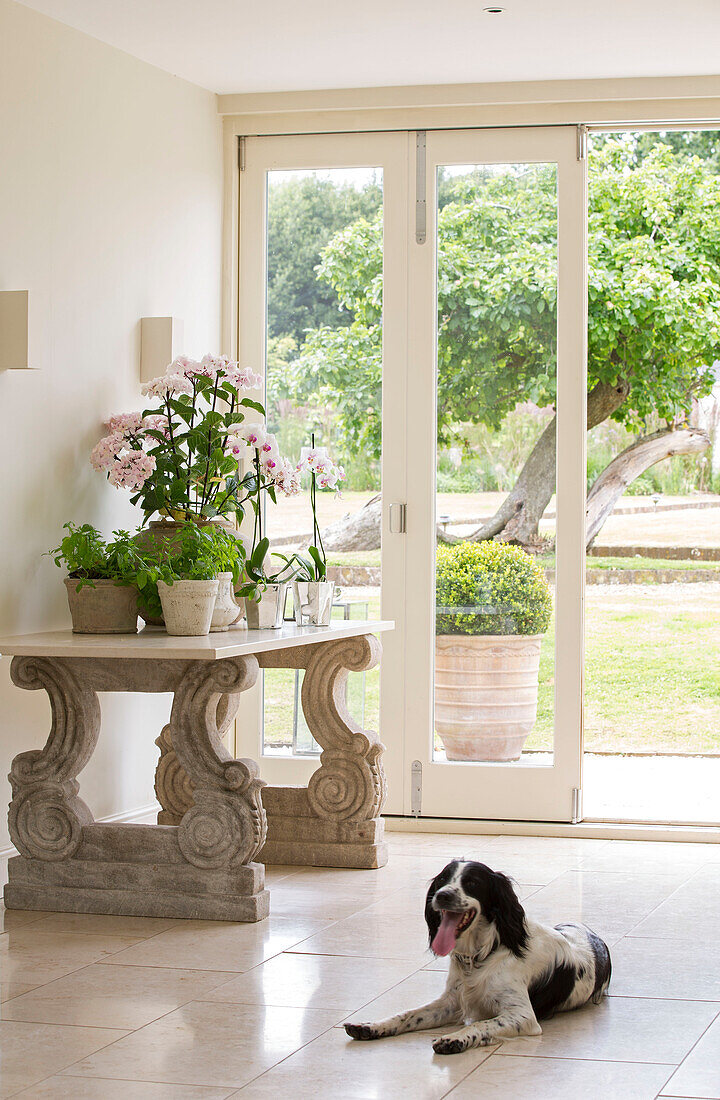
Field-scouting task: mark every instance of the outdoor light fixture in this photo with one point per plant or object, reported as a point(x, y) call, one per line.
point(493, 11)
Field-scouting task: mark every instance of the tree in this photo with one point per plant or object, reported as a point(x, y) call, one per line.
point(303, 215)
point(654, 307)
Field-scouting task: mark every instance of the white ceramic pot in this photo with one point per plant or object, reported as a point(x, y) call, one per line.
point(227, 611)
point(188, 606)
point(486, 691)
point(313, 602)
point(268, 612)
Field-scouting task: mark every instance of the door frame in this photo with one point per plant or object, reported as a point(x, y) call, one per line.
point(388, 151)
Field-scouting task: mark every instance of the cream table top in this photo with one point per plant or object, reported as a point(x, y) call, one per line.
point(153, 643)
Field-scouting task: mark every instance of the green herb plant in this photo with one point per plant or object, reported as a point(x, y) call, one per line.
point(87, 557)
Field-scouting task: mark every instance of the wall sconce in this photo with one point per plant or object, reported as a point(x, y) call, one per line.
point(14, 330)
point(161, 341)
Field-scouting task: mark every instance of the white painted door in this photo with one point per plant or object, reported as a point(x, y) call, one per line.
point(514, 172)
point(505, 217)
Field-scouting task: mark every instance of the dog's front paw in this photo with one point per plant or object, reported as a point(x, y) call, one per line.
point(449, 1045)
point(361, 1031)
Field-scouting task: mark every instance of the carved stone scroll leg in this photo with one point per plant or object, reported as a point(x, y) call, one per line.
point(173, 786)
point(335, 822)
point(226, 824)
point(46, 816)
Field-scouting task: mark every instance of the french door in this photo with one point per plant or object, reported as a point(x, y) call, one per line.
point(398, 363)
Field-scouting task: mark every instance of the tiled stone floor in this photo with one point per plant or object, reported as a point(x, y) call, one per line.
point(112, 1008)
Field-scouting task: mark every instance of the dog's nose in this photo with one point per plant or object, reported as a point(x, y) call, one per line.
point(447, 898)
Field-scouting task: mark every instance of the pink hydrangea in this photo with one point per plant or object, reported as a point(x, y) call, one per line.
point(242, 378)
point(166, 384)
point(125, 423)
point(106, 451)
point(157, 422)
point(131, 470)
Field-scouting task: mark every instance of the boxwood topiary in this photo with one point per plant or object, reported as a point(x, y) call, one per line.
point(490, 588)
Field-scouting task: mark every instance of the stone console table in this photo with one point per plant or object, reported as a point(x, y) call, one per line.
point(199, 860)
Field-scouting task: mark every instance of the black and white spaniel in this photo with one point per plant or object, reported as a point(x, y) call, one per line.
point(506, 972)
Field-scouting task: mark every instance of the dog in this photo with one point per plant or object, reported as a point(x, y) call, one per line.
point(506, 972)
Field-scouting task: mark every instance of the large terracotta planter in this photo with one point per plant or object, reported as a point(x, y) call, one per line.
point(486, 691)
point(106, 608)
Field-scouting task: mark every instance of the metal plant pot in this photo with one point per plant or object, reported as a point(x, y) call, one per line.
point(268, 612)
point(313, 602)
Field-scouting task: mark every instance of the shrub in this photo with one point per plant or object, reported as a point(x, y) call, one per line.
point(490, 588)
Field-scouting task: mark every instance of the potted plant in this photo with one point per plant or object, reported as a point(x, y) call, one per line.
point(493, 606)
point(103, 579)
point(313, 593)
point(186, 572)
point(265, 588)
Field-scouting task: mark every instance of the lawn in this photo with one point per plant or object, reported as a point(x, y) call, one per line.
point(652, 680)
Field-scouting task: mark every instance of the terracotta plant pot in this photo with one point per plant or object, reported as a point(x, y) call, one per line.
point(108, 608)
point(227, 610)
point(486, 691)
point(267, 614)
point(188, 606)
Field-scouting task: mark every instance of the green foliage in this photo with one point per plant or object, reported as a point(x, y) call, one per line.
point(654, 295)
point(303, 215)
point(259, 573)
point(490, 588)
point(195, 553)
point(87, 556)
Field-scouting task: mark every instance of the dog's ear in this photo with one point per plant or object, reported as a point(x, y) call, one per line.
point(507, 914)
point(432, 916)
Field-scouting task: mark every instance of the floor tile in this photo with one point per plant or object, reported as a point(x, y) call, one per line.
point(337, 1067)
point(666, 968)
point(313, 981)
point(620, 1029)
point(513, 1078)
point(14, 918)
point(612, 904)
point(375, 933)
point(113, 996)
point(208, 1044)
point(77, 1088)
point(31, 1052)
point(219, 945)
point(650, 857)
point(133, 929)
point(419, 989)
point(695, 905)
point(31, 957)
point(699, 1075)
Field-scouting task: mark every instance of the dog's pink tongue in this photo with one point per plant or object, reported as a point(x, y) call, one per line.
point(445, 937)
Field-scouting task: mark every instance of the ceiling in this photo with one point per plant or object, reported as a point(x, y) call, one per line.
point(293, 45)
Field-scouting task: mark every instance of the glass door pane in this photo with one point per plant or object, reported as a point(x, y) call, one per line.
point(496, 623)
point(497, 230)
point(324, 385)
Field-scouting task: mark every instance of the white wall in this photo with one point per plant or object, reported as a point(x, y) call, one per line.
point(110, 210)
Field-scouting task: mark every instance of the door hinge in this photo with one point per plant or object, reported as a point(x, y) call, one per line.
point(397, 519)
point(416, 788)
point(420, 188)
point(241, 154)
point(576, 808)
point(582, 142)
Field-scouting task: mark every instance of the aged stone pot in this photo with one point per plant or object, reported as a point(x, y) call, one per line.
point(106, 608)
point(161, 531)
point(267, 614)
point(486, 691)
point(227, 610)
point(188, 606)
